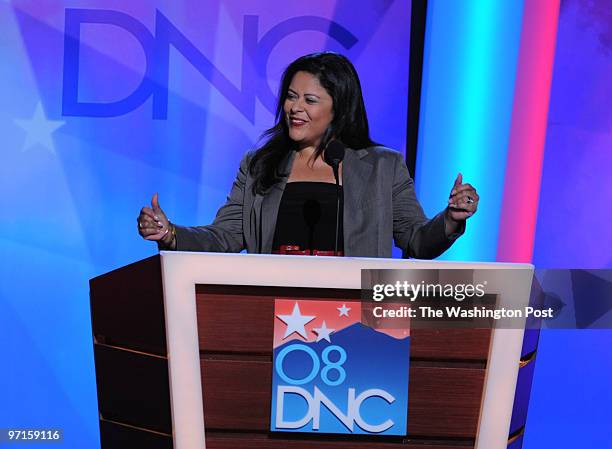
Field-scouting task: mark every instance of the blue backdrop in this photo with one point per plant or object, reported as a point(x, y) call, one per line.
point(469, 78)
point(104, 103)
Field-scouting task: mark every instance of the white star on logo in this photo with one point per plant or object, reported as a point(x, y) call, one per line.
point(295, 322)
point(343, 310)
point(39, 129)
point(323, 332)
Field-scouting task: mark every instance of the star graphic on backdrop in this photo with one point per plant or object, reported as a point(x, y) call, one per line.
point(39, 129)
point(295, 322)
point(323, 332)
point(343, 310)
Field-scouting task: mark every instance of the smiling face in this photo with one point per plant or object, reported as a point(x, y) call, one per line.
point(308, 110)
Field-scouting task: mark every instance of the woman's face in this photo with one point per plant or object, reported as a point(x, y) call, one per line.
point(308, 110)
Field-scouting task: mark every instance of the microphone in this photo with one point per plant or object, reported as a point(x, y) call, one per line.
point(334, 153)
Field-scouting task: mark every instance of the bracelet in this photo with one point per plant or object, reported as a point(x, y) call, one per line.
point(160, 243)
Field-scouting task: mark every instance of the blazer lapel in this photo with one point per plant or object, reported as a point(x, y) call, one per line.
point(269, 207)
point(356, 172)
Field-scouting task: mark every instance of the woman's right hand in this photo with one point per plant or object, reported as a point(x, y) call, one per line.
point(154, 225)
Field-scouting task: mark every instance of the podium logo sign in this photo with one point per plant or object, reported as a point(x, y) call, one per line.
point(332, 374)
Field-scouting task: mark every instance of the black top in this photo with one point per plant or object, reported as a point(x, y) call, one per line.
point(307, 217)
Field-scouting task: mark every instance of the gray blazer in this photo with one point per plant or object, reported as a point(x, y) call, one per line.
point(379, 206)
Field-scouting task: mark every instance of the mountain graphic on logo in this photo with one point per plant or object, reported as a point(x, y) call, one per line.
point(378, 345)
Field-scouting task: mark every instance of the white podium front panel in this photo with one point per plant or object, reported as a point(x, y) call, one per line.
point(182, 271)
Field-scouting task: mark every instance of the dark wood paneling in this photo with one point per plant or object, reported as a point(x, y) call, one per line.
point(217, 318)
point(442, 402)
point(219, 312)
point(450, 344)
point(297, 292)
point(215, 440)
point(133, 388)
point(127, 307)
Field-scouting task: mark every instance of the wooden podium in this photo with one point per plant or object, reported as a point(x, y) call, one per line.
point(183, 354)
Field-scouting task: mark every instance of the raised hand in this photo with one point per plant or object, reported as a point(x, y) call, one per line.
point(462, 202)
point(154, 225)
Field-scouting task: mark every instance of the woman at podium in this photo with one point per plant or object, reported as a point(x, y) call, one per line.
point(291, 196)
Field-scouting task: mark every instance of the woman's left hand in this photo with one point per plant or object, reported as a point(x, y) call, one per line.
point(462, 202)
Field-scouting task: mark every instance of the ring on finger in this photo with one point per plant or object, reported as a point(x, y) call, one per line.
point(470, 200)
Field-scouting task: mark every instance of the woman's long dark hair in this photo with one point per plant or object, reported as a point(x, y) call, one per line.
point(339, 78)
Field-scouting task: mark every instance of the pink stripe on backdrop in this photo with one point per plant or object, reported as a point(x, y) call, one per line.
point(528, 131)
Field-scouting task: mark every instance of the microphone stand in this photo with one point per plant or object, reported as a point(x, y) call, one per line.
point(335, 165)
point(334, 153)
